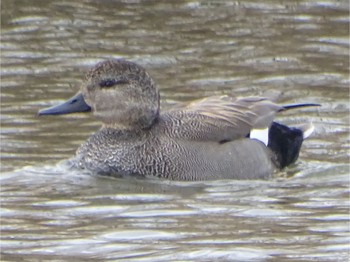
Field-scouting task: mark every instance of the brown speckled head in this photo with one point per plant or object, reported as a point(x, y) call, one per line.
point(122, 94)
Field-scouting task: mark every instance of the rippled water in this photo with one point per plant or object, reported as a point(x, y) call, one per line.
point(294, 51)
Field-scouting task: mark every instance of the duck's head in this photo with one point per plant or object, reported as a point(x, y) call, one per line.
point(120, 93)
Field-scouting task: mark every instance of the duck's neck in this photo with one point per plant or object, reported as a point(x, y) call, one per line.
point(131, 115)
point(142, 123)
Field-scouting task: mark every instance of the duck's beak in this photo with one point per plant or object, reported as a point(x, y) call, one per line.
point(73, 105)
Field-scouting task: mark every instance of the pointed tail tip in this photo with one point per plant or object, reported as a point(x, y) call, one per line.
point(291, 106)
point(307, 129)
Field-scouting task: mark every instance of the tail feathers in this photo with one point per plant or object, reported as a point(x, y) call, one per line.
point(292, 106)
point(307, 129)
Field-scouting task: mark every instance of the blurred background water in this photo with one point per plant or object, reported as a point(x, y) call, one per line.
point(296, 51)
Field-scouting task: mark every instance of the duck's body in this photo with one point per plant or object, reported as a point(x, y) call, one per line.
point(207, 139)
point(161, 152)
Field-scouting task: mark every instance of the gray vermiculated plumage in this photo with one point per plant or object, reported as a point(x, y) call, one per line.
point(206, 139)
point(160, 152)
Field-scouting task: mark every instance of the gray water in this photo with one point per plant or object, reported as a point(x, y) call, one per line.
point(295, 51)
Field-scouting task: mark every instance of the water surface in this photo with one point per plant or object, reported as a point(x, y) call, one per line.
point(292, 51)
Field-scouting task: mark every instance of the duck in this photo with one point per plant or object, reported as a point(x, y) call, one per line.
point(217, 137)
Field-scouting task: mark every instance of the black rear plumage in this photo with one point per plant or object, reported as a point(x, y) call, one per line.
point(285, 142)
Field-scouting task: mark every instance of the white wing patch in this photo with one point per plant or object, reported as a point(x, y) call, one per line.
point(260, 134)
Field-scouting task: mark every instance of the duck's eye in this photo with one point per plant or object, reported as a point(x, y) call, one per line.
point(112, 82)
point(107, 83)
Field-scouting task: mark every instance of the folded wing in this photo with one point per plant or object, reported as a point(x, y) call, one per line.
point(222, 118)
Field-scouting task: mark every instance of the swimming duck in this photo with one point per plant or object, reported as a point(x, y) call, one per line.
point(212, 138)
